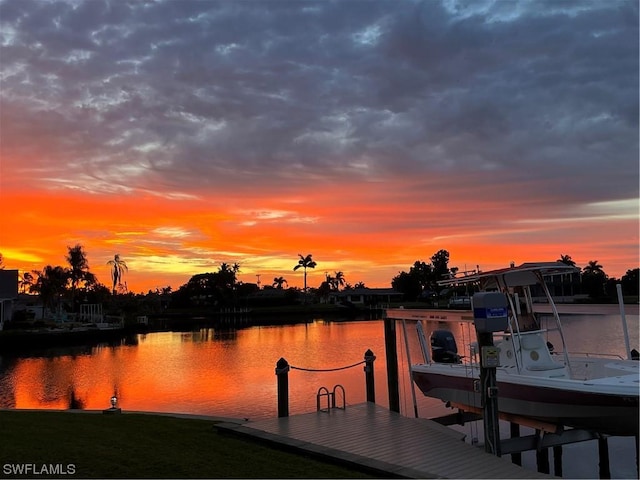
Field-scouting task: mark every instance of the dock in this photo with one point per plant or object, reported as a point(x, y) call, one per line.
point(372, 437)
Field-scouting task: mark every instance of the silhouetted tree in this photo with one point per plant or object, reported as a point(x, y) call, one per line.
point(594, 279)
point(338, 280)
point(51, 285)
point(278, 282)
point(423, 276)
point(305, 262)
point(630, 282)
point(566, 259)
point(79, 270)
point(118, 267)
point(26, 281)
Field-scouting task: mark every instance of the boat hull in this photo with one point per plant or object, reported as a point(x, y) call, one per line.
point(613, 414)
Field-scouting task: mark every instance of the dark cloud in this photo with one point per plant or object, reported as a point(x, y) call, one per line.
point(201, 93)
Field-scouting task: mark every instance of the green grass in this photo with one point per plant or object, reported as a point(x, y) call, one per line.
point(146, 446)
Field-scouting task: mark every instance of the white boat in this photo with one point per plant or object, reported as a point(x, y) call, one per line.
point(592, 392)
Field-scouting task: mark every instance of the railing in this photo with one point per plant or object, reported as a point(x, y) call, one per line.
point(282, 373)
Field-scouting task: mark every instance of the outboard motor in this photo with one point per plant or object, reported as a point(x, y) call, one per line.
point(443, 347)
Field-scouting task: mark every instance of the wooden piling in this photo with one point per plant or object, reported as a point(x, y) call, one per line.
point(514, 429)
point(603, 455)
point(391, 350)
point(557, 460)
point(542, 456)
point(369, 358)
point(282, 372)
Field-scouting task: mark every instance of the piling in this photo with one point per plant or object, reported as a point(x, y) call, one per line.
point(514, 429)
point(282, 372)
point(369, 358)
point(391, 351)
point(603, 453)
point(557, 460)
point(542, 456)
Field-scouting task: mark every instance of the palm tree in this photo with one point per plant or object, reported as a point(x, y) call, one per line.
point(305, 262)
point(338, 280)
point(566, 259)
point(278, 282)
point(119, 267)
point(593, 268)
point(79, 270)
point(51, 285)
point(594, 279)
point(26, 281)
point(360, 285)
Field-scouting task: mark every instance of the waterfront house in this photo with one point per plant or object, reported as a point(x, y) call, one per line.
point(8, 294)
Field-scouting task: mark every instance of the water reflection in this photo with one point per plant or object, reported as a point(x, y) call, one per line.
point(218, 372)
point(232, 372)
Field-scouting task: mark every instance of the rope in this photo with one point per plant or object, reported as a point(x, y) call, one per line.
point(326, 369)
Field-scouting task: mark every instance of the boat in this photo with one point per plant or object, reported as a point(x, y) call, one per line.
point(593, 392)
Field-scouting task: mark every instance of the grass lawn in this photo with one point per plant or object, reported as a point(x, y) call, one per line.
point(144, 446)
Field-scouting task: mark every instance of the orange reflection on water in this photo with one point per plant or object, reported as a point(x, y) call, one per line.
point(206, 372)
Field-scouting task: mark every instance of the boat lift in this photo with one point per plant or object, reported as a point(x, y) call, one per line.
point(547, 435)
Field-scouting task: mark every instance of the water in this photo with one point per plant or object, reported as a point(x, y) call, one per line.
point(232, 374)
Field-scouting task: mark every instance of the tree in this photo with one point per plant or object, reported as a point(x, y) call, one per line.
point(26, 281)
point(118, 267)
point(566, 259)
point(630, 282)
point(593, 267)
point(338, 280)
point(305, 262)
point(278, 282)
point(360, 285)
point(51, 285)
point(79, 269)
point(423, 277)
point(440, 265)
point(594, 279)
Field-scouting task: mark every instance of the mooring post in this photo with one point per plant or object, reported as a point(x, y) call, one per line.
point(542, 456)
point(603, 453)
point(514, 430)
point(282, 372)
point(391, 350)
point(369, 358)
point(557, 460)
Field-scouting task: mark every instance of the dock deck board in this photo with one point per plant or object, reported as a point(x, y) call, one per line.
point(373, 436)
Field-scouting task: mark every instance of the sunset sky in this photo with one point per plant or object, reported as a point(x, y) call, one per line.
point(181, 134)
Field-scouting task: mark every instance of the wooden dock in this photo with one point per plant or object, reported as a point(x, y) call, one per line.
point(374, 437)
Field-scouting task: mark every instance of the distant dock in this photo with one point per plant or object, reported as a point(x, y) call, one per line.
point(370, 436)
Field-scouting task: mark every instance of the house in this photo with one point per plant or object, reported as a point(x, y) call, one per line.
point(8, 294)
point(365, 296)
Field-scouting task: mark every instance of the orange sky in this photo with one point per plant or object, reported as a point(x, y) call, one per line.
point(370, 232)
point(368, 134)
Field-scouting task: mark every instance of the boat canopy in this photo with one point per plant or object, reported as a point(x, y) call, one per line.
point(522, 275)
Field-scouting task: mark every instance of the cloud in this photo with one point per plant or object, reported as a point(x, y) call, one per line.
point(532, 104)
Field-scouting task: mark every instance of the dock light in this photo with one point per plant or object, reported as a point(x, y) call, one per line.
point(114, 401)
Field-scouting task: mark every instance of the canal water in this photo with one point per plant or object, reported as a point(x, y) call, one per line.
point(231, 373)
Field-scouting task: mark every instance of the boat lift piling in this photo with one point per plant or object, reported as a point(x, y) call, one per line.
point(490, 314)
